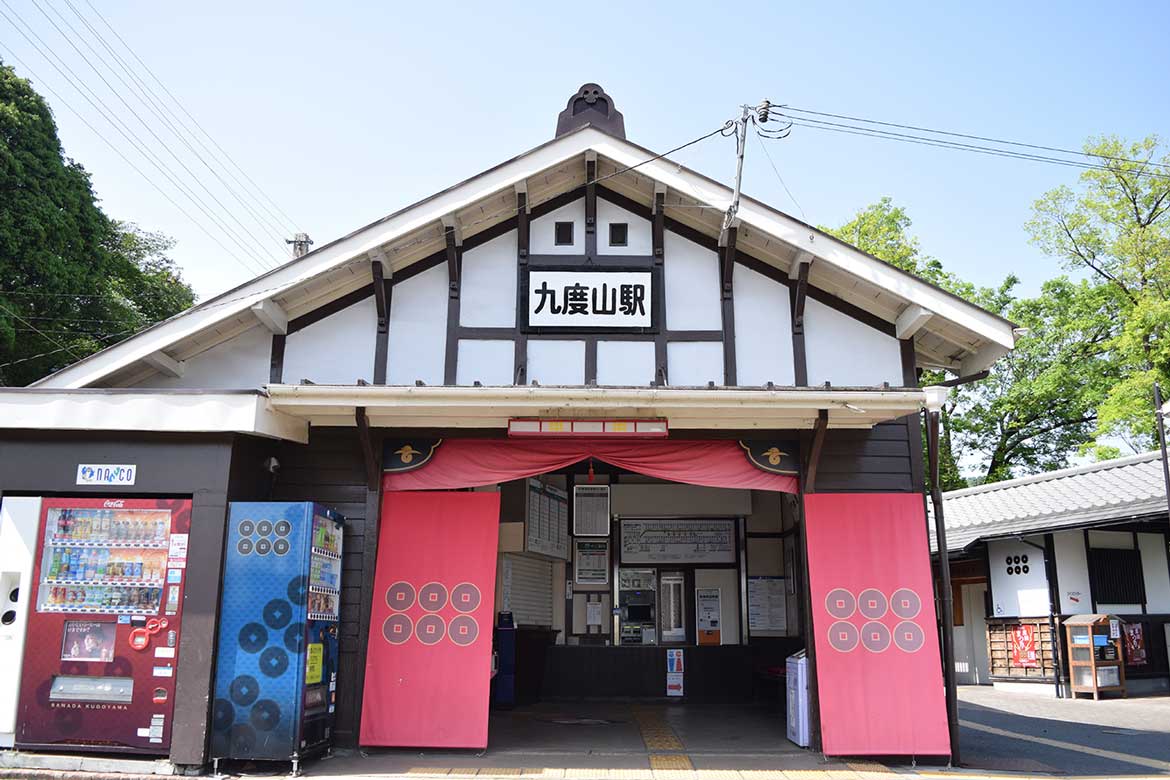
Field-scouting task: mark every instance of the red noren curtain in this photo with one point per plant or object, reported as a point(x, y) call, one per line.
point(461, 463)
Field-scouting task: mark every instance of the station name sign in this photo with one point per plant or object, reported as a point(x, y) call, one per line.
point(590, 299)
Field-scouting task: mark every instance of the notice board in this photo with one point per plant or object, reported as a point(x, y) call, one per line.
point(678, 541)
point(879, 673)
point(428, 667)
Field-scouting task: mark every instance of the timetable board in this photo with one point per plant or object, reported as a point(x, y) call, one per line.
point(547, 521)
point(678, 541)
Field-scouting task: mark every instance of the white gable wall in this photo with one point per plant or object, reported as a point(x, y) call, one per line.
point(694, 363)
point(763, 330)
point(489, 362)
point(846, 352)
point(625, 363)
point(240, 363)
point(640, 239)
point(691, 274)
point(418, 328)
point(541, 236)
point(556, 362)
point(488, 290)
point(336, 350)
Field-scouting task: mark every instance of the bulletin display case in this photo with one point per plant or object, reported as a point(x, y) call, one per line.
point(1096, 664)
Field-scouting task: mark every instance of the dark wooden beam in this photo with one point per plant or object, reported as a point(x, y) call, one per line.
point(799, 356)
point(276, 359)
point(658, 238)
point(371, 463)
point(520, 365)
point(814, 453)
point(382, 305)
point(726, 272)
point(590, 208)
point(454, 268)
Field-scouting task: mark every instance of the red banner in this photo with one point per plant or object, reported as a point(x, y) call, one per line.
point(1024, 646)
point(879, 672)
point(460, 463)
point(428, 668)
point(1135, 644)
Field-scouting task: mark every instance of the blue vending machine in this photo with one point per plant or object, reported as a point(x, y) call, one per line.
point(276, 666)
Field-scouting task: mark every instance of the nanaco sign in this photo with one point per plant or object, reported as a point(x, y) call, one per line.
point(590, 299)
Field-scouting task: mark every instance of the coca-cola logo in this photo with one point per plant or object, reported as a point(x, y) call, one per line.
point(114, 503)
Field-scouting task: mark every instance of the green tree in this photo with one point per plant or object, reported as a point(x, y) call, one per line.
point(1039, 406)
point(1115, 226)
point(71, 280)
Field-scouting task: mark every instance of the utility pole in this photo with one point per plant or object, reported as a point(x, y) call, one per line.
point(740, 146)
point(300, 244)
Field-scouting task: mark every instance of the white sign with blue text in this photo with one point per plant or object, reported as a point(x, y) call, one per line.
point(106, 474)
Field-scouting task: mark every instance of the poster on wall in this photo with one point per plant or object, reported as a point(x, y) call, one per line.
point(767, 604)
point(708, 609)
point(879, 670)
point(678, 541)
point(1135, 644)
point(591, 561)
point(547, 524)
point(429, 656)
point(1024, 646)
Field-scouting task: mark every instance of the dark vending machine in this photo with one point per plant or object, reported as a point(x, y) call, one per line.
point(276, 673)
point(103, 634)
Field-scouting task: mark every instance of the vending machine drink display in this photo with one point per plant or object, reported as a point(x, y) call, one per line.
point(276, 672)
point(104, 628)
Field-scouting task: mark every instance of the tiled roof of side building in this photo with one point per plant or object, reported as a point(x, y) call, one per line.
point(1106, 492)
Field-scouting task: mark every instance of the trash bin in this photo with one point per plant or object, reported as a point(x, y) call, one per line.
point(797, 675)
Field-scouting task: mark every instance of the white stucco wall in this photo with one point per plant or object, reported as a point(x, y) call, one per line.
point(418, 328)
point(640, 239)
point(556, 362)
point(763, 330)
point(488, 290)
point(694, 363)
point(489, 362)
point(1156, 571)
point(691, 275)
point(240, 363)
point(542, 239)
point(336, 350)
point(1018, 594)
point(629, 363)
point(846, 352)
point(1072, 572)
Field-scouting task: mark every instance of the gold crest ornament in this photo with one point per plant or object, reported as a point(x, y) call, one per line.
point(399, 455)
point(408, 452)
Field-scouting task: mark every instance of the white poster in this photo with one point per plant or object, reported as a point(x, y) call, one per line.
point(547, 523)
point(593, 613)
point(590, 299)
point(767, 604)
point(678, 541)
point(591, 561)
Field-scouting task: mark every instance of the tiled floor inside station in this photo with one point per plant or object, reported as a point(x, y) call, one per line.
point(611, 739)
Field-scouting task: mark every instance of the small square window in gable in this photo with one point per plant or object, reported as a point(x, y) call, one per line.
point(619, 234)
point(563, 234)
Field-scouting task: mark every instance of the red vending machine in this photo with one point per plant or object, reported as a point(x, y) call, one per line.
point(103, 634)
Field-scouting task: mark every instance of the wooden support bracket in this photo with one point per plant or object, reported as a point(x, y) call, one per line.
point(814, 454)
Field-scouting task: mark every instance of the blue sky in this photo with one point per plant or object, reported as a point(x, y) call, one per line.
point(346, 112)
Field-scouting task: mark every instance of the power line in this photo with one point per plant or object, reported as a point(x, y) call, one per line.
point(245, 234)
point(1041, 147)
point(263, 195)
point(35, 330)
point(817, 124)
point(116, 150)
point(146, 95)
point(776, 170)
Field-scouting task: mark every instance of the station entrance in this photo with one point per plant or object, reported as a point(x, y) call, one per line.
point(637, 622)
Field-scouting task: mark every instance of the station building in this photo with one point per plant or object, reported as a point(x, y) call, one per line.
point(558, 390)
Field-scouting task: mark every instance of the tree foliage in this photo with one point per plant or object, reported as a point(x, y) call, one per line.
point(1115, 227)
point(72, 281)
point(1040, 405)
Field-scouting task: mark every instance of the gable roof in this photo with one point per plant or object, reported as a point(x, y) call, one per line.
point(1111, 491)
point(956, 334)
